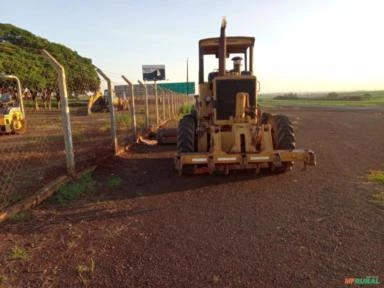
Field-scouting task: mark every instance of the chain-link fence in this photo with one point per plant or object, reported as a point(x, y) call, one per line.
point(67, 132)
point(31, 142)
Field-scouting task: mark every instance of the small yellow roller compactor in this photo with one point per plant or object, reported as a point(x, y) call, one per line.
point(226, 129)
point(12, 112)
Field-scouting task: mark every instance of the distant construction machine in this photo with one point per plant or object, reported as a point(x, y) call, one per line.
point(98, 102)
point(12, 112)
point(226, 129)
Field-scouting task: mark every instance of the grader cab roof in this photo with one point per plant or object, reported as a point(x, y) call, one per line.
point(237, 44)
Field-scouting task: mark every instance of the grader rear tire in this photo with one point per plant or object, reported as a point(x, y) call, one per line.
point(283, 137)
point(186, 135)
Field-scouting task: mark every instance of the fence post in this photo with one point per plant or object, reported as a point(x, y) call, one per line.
point(163, 102)
point(169, 105)
point(146, 105)
point(157, 105)
point(173, 104)
point(133, 109)
point(111, 110)
point(69, 154)
point(176, 103)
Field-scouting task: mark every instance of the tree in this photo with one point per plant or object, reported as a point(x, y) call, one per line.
point(332, 95)
point(21, 55)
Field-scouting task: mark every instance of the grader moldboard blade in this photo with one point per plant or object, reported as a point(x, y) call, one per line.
point(226, 130)
point(167, 132)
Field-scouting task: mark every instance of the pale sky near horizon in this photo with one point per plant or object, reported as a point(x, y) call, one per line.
point(301, 45)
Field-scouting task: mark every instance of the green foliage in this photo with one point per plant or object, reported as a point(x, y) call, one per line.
point(18, 253)
point(74, 190)
point(114, 181)
point(85, 272)
point(21, 55)
point(332, 95)
point(376, 176)
point(21, 216)
point(348, 97)
point(3, 279)
point(352, 99)
point(124, 119)
point(185, 109)
point(288, 96)
point(378, 198)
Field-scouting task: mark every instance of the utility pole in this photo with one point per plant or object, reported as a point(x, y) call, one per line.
point(157, 104)
point(187, 79)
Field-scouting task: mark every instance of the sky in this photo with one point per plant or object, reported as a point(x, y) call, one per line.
point(301, 45)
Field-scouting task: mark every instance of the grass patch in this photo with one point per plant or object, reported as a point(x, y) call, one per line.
point(378, 198)
point(376, 176)
point(185, 109)
point(80, 138)
point(3, 279)
point(124, 119)
point(302, 101)
point(21, 216)
point(85, 271)
point(18, 253)
point(105, 128)
point(114, 181)
point(72, 191)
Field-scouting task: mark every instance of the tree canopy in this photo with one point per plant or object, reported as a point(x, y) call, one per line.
point(21, 55)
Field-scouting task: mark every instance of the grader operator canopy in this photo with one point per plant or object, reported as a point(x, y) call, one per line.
point(234, 45)
point(239, 44)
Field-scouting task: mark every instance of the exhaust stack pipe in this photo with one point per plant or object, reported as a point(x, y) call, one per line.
point(222, 47)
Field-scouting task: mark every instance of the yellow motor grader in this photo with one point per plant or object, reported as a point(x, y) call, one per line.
point(12, 113)
point(226, 129)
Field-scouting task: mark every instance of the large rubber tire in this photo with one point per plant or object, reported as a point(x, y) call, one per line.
point(283, 137)
point(186, 135)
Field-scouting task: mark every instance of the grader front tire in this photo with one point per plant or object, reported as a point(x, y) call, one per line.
point(283, 137)
point(186, 135)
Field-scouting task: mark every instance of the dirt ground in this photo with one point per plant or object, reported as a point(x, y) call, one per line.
point(308, 228)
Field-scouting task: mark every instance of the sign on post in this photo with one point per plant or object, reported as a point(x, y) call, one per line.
point(153, 72)
point(180, 87)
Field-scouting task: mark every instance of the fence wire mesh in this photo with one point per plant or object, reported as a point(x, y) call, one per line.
point(32, 159)
point(36, 157)
point(91, 128)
